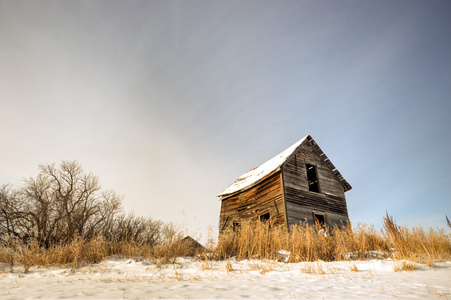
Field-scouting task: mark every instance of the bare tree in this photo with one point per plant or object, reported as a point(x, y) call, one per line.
point(73, 193)
point(127, 228)
point(9, 214)
point(66, 202)
point(62, 203)
point(102, 223)
point(41, 217)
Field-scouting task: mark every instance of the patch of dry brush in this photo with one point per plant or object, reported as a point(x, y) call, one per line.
point(80, 252)
point(361, 241)
point(254, 240)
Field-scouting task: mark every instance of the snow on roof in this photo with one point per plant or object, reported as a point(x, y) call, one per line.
point(264, 170)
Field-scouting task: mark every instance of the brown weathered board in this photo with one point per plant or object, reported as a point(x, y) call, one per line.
point(267, 196)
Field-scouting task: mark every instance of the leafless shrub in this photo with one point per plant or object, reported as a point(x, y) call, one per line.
point(127, 228)
point(11, 214)
point(62, 204)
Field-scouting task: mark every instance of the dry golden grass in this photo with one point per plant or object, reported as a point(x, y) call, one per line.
point(263, 267)
point(361, 241)
point(206, 265)
point(229, 267)
point(353, 267)
point(305, 243)
point(254, 240)
point(416, 244)
point(80, 252)
point(405, 266)
point(318, 268)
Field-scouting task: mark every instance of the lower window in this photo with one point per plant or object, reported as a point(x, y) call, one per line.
point(264, 217)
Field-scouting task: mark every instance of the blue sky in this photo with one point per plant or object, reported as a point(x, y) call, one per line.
point(168, 102)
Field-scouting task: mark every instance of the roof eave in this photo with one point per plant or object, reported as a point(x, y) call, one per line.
point(228, 195)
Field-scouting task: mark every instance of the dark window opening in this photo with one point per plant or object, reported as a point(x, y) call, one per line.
point(322, 223)
point(320, 219)
point(313, 185)
point(236, 226)
point(264, 217)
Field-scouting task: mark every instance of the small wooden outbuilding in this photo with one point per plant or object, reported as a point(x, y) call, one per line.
point(299, 184)
point(190, 246)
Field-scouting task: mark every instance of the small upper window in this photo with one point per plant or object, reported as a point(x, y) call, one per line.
point(312, 177)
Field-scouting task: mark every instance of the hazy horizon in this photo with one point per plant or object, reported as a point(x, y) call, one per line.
point(169, 102)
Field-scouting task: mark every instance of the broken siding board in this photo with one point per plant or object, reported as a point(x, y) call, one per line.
point(330, 181)
point(282, 178)
point(337, 220)
point(251, 203)
point(228, 212)
point(312, 200)
point(329, 187)
point(298, 214)
point(310, 204)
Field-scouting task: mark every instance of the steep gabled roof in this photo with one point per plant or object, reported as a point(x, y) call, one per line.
point(273, 165)
point(265, 170)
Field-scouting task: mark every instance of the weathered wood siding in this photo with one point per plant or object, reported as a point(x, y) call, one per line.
point(267, 196)
point(300, 202)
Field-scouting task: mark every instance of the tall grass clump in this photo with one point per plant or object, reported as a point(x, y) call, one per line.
point(304, 242)
point(307, 243)
point(311, 243)
point(252, 240)
point(80, 252)
point(358, 241)
point(175, 244)
point(417, 244)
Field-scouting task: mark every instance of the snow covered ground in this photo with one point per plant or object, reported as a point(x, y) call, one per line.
point(118, 278)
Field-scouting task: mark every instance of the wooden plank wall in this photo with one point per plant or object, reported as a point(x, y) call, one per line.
point(265, 197)
point(300, 202)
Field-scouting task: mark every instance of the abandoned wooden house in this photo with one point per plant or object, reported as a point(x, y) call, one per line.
point(299, 184)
